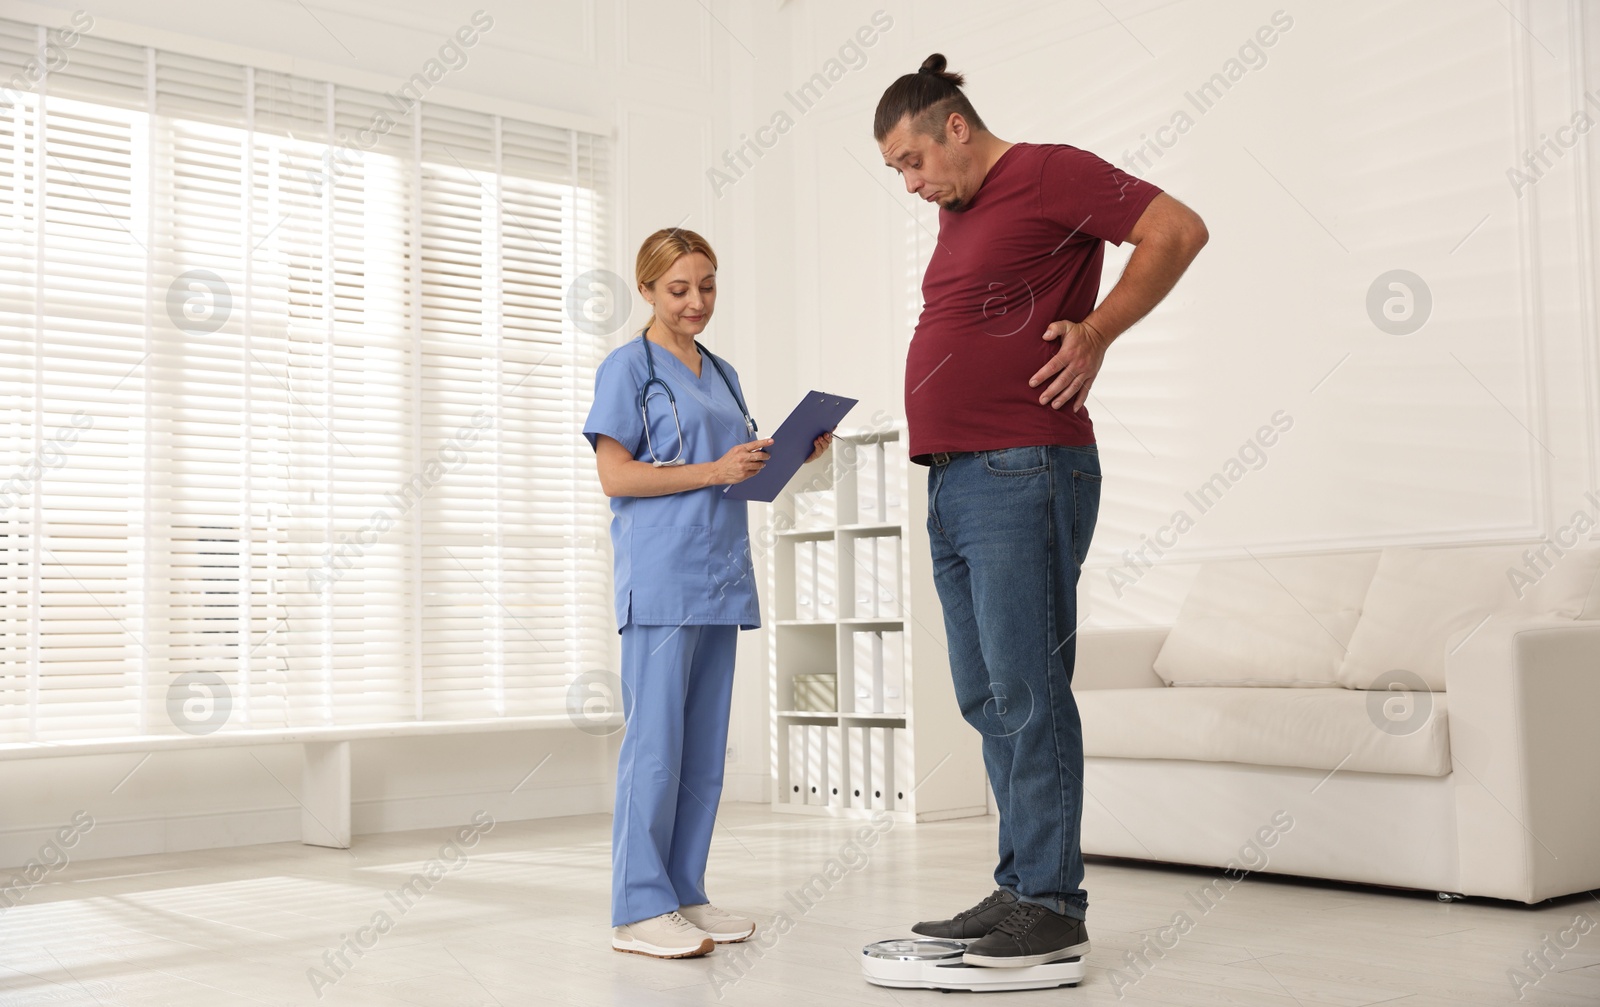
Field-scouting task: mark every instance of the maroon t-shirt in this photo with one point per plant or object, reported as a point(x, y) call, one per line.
point(1026, 251)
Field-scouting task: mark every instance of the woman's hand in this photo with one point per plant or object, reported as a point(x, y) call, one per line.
point(740, 463)
point(820, 445)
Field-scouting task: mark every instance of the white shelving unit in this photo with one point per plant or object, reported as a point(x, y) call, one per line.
point(853, 596)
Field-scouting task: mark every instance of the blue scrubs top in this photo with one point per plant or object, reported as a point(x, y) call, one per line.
point(683, 558)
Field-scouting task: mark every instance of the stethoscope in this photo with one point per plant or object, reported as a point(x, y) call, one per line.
point(644, 401)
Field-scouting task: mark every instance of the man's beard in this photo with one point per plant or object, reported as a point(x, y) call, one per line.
point(960, 162)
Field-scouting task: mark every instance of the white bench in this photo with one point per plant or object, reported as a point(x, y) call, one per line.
point(325, 769)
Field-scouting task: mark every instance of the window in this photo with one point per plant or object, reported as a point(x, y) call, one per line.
point(288, 428)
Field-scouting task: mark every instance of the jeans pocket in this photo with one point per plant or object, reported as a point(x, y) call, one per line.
point(1026, 461)
point(1085, 511)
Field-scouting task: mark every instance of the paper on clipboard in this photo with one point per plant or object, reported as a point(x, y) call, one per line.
point(792, 444)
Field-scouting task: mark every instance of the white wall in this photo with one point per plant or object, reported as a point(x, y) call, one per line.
point(1376, 136)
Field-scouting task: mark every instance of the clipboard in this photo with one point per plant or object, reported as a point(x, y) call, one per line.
point(792, 443)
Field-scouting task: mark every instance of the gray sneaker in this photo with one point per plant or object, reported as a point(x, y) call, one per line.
point(971, 923)
point(1031, 935)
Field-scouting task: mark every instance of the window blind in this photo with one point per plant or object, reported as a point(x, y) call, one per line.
point(288, 429)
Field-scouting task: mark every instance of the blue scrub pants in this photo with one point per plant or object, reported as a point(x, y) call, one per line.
point(677, 686)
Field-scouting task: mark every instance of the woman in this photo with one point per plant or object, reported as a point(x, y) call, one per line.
point(669, 429)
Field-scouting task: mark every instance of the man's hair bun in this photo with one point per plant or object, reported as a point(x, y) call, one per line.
point(935, 66)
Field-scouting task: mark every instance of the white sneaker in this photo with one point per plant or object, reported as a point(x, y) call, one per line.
point(724, 928)
point(666, 936)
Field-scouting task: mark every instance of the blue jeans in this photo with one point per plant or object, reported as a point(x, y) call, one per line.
point(1009, 532)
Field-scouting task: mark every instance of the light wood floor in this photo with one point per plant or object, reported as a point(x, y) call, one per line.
point(524, 921)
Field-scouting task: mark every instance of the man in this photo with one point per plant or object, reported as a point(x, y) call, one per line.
point(1010, 338)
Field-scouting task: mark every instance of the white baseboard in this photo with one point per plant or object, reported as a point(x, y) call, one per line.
point(750, 788)
point(444, 810)
point(178, 833)
point(147, 834)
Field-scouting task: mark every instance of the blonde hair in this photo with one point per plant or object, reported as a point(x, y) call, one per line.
point(665, 247)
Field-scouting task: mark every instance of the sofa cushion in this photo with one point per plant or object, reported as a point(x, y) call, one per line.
point(1423, 603)
point(1358, 732)
point(1279, 621)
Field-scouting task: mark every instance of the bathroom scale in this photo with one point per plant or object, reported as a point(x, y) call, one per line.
point(935, 964)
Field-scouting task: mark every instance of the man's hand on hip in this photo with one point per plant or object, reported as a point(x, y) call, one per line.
point(1074, 366)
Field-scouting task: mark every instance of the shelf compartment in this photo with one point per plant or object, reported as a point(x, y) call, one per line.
point(805, 534)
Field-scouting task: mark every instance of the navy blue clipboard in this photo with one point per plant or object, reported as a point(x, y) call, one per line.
point(792, 443)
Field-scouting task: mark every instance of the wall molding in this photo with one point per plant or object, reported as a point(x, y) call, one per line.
point(631, 64)
point(443, 26)
point(1531, 274)
point(262, 59)
point(1177, 556)
point(1587, 197)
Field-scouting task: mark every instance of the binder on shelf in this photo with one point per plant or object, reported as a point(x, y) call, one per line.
point(867, 651)
point(881, 489)
point(860, 768)
point(886, 576)
point(869, 483)
point(805, 576)
point(878, 695)
point(796, 792)
point(902, 783)
point(838, 784)
point(895, 470)
point(816, 765)
point(813, 510)
point(894, 672)
point(880, 762)
point(861, 672)
point(865, 556)
point(827, 579)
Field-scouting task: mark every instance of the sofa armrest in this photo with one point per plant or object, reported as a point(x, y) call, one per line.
point(1522, 697)
point(1119, 658)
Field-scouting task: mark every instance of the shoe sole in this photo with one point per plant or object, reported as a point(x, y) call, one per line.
point(1024, 961)
point(704, 949)
point(735, 940)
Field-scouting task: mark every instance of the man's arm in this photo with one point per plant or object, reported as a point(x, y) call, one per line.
point(1166, 238)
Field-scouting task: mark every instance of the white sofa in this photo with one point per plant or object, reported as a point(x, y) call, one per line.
point(1261, 731)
